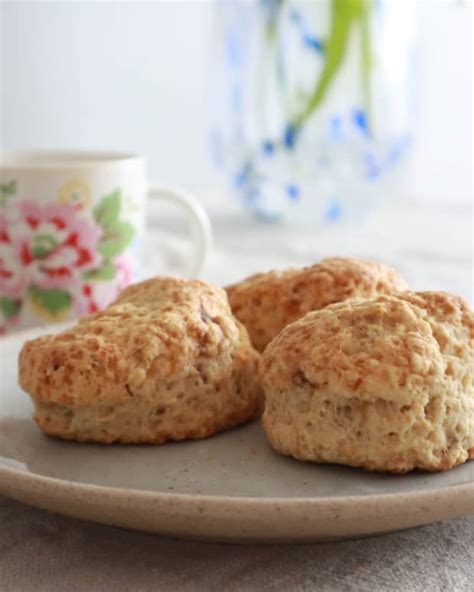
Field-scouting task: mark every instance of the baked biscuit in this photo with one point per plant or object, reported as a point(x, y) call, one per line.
point(385, 384)
point(266, 302)
point(166, 361)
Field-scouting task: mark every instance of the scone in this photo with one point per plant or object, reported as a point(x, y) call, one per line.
point(166, 361)
point(385, 384)
point(265, 303)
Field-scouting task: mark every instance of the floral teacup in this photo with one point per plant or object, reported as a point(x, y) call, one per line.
point(70, 230)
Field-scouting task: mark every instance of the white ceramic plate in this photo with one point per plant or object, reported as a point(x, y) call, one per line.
point(231, 487)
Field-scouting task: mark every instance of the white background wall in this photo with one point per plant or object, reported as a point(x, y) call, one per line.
point(134, 75)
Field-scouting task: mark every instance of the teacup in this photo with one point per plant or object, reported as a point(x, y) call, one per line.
point(71, 225)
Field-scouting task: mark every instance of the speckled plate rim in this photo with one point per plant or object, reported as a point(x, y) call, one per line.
point(239, 519)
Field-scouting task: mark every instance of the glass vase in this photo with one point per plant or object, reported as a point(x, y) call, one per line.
point(312, 103)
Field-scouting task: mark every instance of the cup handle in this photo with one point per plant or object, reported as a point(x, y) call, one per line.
point(199, 223)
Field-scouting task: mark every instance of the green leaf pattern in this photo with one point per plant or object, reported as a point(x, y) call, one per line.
point(106, 273)
point(107, 211)
point(116, 239)
point(117, 235)
point(7, 190)
point(53, 301)
point(9, 307)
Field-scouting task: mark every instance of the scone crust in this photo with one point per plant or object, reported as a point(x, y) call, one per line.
point(267, 302)
point(166, 361)
point(385, 384)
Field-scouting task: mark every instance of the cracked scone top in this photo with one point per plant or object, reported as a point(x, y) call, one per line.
point(266, 302)
point(166, 361)
point(385, 384)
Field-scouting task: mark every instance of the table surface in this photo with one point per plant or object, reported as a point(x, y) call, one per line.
point(41, 551)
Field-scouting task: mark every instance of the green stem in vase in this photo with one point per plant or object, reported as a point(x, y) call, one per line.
point(272, 22)
point(344, 15)
point(366, 54)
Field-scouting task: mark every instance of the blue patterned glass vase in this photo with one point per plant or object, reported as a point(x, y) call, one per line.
point(311, 103)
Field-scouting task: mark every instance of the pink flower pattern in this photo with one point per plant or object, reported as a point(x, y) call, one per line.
point(47, 246)
point(55, 254)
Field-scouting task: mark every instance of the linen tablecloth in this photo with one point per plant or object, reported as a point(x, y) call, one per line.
point(41, 551)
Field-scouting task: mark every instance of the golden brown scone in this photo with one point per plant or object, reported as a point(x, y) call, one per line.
point(166, 361)
point(266, 302)
point(385, 384)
